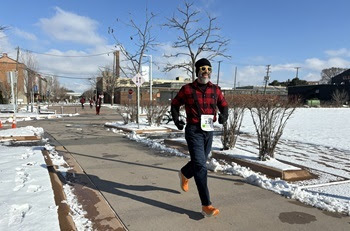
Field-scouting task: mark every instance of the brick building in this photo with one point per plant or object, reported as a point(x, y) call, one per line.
point(7, 65)
point(28, 82)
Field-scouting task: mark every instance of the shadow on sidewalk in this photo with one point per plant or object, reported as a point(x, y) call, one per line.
point(149, 166)
point(119, 188)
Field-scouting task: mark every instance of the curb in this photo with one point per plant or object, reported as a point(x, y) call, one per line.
point(65, 220)
point(99, 212)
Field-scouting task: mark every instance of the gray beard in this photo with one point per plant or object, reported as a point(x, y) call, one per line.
point(202, 80)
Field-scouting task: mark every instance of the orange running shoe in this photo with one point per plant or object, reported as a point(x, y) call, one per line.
point(209, 211)
point(183, 182)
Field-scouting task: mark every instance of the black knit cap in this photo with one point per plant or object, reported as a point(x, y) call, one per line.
point(200, 63)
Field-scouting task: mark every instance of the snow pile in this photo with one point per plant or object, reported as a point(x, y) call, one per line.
point(154, 144)
point(23, 131)
point(283, 188)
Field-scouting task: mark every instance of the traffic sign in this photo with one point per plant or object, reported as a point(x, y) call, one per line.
point(130, 91)
point(138, 79)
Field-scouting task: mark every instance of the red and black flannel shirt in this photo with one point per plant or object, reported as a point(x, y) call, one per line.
point(205, 99)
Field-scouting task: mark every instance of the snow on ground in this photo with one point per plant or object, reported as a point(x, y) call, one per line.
point(315, 138)
point(26, 195)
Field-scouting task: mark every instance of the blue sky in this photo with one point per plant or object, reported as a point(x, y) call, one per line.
point(309, 34)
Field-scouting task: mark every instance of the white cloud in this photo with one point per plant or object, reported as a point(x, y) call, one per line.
point(318, 64)
point(339, 52)
point(6, 46)
point(285, 67)
point(338, 62)
point(315, 64)
point(67, 26)
point(312, 76)
point(25, 35)
point(250, 75)
point(81, 67)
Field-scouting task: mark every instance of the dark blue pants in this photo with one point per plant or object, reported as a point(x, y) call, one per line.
point(199, 144)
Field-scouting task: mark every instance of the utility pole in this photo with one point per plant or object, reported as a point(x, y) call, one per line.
point(234, 85)
point(297, 71)
point(267, 77)
point(16, 76)
point(218, 73)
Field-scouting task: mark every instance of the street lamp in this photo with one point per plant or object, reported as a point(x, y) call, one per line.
point(150, 77)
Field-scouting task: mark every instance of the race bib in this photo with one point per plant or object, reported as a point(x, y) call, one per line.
point(207, 123)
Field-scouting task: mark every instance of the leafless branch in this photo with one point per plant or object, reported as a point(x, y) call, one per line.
point(194, 38)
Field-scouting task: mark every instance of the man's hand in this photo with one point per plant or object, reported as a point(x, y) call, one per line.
point(180, 124)
point(222, 118)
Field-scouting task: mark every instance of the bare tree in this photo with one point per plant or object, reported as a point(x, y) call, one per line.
point(270, 115)
point(93, 86)
point(329, 73)
point(237, 106)
point(32, 66)
point(195, 39)
point(143, 42)
point(59, 93)
point(5, 89)
point(340, 97)
point(109, 81)
point(89, 94)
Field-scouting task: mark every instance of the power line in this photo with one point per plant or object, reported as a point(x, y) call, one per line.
point(62, 76)
point(68, 56)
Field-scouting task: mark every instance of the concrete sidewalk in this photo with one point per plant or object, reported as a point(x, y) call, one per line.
point(142, 186)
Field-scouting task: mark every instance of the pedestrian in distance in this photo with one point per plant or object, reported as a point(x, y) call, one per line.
point(82, 101)
point(91, 103)
point(201, 99)
point(98, 104)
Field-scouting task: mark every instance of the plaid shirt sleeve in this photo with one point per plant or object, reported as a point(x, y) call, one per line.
point(179, 99)
point(221, 101)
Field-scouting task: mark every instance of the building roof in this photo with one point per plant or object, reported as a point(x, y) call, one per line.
point(5, 59)
point(342, 78)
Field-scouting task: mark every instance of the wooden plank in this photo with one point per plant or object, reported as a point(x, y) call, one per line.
point(20, 138)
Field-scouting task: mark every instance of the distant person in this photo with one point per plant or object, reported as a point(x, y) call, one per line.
point(200, 98)
point(98, 104)
point(91, 102)
point(82, 101)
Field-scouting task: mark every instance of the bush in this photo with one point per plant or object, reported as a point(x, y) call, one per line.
point(128, 112)
point(155, 113)
point(237, 106)
point(270, 115)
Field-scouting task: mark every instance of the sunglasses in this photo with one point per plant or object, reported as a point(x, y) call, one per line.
point(204, 68)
